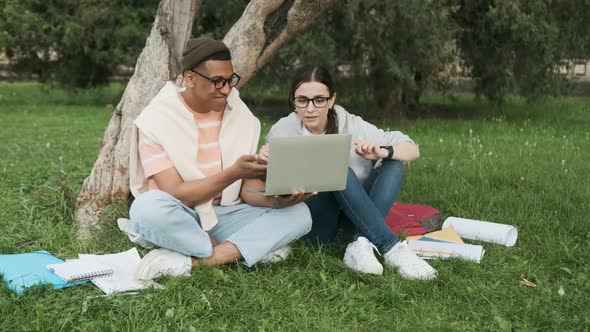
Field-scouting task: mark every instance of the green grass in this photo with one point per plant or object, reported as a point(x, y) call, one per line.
point(522, 164)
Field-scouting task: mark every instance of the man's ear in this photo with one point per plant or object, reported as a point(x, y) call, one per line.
point(189, 80)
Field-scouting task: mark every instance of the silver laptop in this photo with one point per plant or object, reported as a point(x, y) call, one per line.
point(307, 163)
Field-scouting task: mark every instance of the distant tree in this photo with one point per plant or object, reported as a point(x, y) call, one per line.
point(396, 49)
point(74, 43)
point(401, 45)
point(389, 51)
point(517, 46)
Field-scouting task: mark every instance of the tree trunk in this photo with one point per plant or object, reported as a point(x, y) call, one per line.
point(158, 62)
point(387, 92)
point(264, 27)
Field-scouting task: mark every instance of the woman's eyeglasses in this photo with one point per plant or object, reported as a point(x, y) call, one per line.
point(319, 102)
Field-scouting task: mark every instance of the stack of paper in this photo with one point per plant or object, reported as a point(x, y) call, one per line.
point(431, 249)
point(445, 243)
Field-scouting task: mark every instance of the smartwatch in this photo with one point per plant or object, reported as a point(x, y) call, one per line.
point(389, 149)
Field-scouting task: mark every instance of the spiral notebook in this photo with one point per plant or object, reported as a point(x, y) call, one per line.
point(77, 269)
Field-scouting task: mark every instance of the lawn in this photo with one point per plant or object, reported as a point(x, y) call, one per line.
point(522, 164)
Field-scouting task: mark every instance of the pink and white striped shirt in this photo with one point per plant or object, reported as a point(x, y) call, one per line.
point(155, 160)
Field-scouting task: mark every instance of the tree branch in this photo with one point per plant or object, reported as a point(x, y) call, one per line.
point(253, 40)
point(300, 16)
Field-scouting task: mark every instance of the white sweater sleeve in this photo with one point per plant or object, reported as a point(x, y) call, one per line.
point(285, 127)
point(255, 138)
point(370, 132)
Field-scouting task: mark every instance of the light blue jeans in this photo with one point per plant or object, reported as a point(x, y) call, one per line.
point(165, 222)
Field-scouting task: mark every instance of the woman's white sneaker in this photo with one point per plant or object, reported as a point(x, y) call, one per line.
point(409, 265)
point(360, 257)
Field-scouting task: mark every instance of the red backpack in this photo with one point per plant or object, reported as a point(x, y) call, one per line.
point(412, 219)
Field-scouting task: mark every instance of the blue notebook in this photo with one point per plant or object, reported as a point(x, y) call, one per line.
point(21, 271)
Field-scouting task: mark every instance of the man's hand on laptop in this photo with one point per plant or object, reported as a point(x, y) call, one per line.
point(247, 167)
point(281, 201)
point(369, 150)
point(262, 156)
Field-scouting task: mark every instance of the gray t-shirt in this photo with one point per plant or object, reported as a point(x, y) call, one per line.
point(347, 124)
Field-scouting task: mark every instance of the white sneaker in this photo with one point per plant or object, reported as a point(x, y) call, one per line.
point(163, 262)
point(360, 257)
point(409, 265)
point(276, 256)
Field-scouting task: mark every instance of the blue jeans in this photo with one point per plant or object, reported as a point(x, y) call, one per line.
point(364, 208)
point(163, 221)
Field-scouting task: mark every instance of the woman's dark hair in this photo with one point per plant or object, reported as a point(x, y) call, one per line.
point(315, 73)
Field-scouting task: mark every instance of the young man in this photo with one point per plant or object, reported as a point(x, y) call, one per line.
point(194, 174)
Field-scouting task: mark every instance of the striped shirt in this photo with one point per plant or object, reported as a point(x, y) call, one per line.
point(155, 160)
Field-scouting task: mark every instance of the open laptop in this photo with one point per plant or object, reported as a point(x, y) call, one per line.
point(307, 163)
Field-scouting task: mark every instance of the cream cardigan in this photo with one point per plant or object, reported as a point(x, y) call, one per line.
point(167, 121)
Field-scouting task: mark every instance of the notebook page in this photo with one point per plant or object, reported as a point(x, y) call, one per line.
point(124, 265)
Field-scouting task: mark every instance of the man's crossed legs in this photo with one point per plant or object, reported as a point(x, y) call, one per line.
point(243, 232)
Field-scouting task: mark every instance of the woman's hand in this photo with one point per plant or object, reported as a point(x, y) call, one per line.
point(282, 201)
point(369, 150)
point(262, 156)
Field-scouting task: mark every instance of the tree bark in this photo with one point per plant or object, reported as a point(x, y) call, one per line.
point(253, 40)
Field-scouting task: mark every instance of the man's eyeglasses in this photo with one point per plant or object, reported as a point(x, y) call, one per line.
point(319, 102)
point(219, 83)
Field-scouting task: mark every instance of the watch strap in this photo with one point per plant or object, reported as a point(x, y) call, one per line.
point(389, 149)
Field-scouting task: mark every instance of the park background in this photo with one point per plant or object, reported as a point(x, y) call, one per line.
point(493, 91)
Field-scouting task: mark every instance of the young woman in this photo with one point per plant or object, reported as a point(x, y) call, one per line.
point(370, 190)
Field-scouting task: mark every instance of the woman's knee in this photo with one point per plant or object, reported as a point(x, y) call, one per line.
point(395, 166)
point(352, 181)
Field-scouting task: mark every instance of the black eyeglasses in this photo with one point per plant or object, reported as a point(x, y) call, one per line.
point(219, 83)
point(319, 102)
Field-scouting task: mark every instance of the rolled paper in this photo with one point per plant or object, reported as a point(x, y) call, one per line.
point(483, 230)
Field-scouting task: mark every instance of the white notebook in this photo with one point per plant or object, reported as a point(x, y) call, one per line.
point(75, 270)
point(124, 265)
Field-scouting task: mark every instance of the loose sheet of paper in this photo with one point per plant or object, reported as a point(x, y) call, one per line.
point(124, 265)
